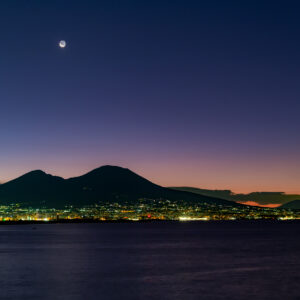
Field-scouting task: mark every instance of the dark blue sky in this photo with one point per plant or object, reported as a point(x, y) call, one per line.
point(202, 93)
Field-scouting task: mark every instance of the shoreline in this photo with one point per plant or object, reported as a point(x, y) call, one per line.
point(92, 221)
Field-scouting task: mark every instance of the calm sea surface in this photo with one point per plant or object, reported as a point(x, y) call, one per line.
point(202, 260)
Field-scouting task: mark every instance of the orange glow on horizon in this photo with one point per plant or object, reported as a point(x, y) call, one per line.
point(253, 203)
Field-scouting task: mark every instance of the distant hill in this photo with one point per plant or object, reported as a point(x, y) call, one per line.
point(223, 194)
point(262, 198)
point(105, 184)
point(291, 205)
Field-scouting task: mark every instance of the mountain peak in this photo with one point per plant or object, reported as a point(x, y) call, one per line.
point(34, 177)
point(35, 173)
point(109, 171)
point(109, 168)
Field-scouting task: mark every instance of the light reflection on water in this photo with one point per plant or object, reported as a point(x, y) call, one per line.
point(215, 260)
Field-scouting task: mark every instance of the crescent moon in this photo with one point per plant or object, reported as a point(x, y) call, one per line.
point(62, 44)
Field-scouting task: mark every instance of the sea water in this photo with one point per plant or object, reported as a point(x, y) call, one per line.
point(157, 260)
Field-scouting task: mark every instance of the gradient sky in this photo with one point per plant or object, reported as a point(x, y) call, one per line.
point(194, 93)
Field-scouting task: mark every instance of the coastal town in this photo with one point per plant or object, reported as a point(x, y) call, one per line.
point(145, 209)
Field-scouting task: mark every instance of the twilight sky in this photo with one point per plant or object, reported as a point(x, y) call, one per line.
point(195, 93)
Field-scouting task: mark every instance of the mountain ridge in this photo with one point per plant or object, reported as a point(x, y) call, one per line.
point(263, 198)
point(104, 184)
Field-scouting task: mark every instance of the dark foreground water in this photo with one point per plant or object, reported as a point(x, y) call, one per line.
point(214, 260)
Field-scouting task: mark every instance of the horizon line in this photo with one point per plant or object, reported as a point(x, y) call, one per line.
point(177, 186)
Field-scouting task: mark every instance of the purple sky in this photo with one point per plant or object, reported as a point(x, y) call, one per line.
point(196, 93)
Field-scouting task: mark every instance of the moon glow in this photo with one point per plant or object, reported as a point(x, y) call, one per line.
point(62, 44)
